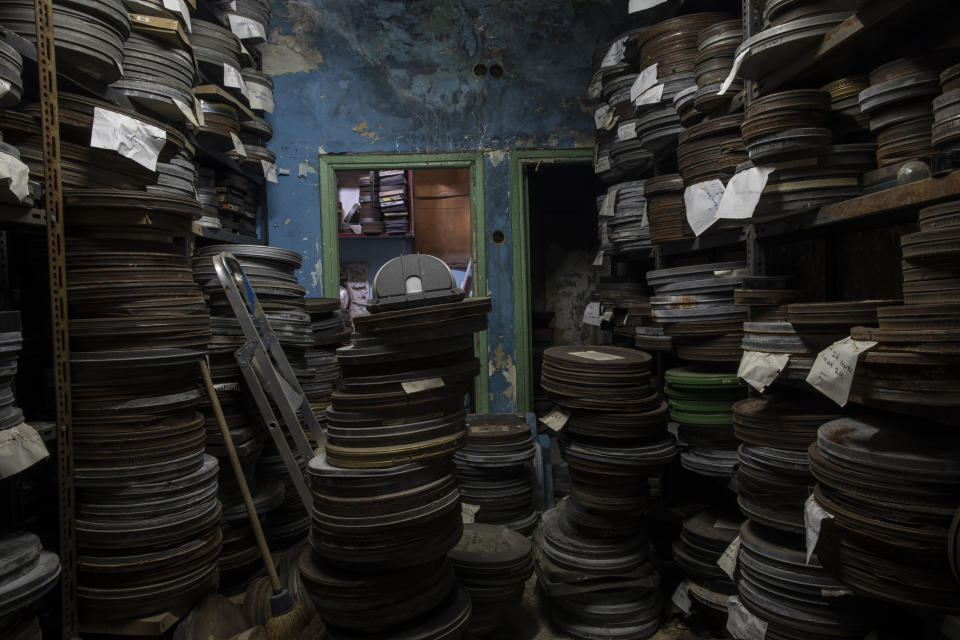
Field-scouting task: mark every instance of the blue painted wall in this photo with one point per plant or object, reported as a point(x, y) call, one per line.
point(396, 76)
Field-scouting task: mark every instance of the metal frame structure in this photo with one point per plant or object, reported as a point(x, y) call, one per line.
point(53, 198)
point(329, 164)
point(520, 160)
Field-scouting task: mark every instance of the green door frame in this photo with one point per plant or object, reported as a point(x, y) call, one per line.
point(329, 164)
point(520, 214)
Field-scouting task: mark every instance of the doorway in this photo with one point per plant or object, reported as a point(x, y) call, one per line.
point(555, 236)
point(377, 207)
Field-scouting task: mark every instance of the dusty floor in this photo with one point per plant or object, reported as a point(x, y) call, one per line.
point(531, 621)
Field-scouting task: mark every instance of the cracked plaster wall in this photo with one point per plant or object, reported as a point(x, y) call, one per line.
point(395, 76)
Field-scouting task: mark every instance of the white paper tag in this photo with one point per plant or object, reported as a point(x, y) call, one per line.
point(469, 512)
point(186, 111)
point(643, 5)
point(627, 131)
point(607, 316)
point(180, 7)
point(556, 419)
point(233, 5)
point(813, 516)
point(609, 207)
point(131, 138)
point(357, 229)
point(198, 110)
point(233, 80)
point(833, 370)
point(591, 314)
point(245, 28)
point(4, 87)
point(598, 260)
point(596, 355)
point(728, 559)
point(416, 386)
point(681, 596)
point(260, 97)
point(604, 234)
point(595, 89)
point(238, 145)
point(653, 95)
point(15, 175)
point(734, 70)
point(743, 192)
point(645, 79)
point(644, 222)
point(614, 54)
point(743, 625)
point(21, 447)
point(701, 201)
point(604, 118)
point(269, 170)
point(602, 165)
point(759, 369)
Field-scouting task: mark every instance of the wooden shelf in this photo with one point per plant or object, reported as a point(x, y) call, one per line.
point(875, 209)
point(379, 235)
point(721, 238)
point(224, 236)
point(879, 31)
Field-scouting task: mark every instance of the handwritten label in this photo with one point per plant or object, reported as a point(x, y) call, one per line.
point(608, 208)
point(469, 512)
point(743, 192)
point(223, 387)
point(645, 79)
point(260, 97)
point(813, 517)
point(743, 625)
point(604, 118)
point(734, 70)
point(591, 314)
point(269, 170)
point(653, 95)
point(615, 53)
point(759, 369)
point(131, 138)
point(21, 447)
point(728, 559)
point(833, 370)
point(15, 176)
point(602, 164)
point(607, 316)
point(245, 28)
point(702, 201)
point(681, 596)
point(642, 5)
point(596, 355)
point(627, 131)
point(598, 260)
point(233, 80)
point(180, 7)
point(238, 145)
point(416, 386)
point(556, 419)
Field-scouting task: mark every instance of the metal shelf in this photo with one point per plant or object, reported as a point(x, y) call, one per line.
point(21, 217)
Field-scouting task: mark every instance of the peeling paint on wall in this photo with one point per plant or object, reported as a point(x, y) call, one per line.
point(496, 157)
point(501, 366)
point(305, 168)
point(284, 54)
point(569, 286)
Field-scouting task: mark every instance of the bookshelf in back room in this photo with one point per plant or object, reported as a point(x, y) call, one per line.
point(392, 212)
